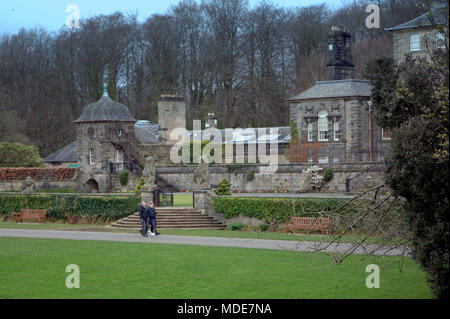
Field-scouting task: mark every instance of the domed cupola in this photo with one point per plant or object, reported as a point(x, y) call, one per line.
point(105, 110)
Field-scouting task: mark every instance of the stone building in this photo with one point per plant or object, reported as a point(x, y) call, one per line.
point(104, 132)
point(109, 140)
point(418, 37)
point(334, 117)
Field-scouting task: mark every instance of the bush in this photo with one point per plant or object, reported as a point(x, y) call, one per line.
point(236, 226)
point(123, 177)
point(102, 207)
point(327, 175)
point(36, 173)
point(139, 185)
point(224, 188)
point(264, 227)
point(275, 209)
point(19, 155)
point(250, 175)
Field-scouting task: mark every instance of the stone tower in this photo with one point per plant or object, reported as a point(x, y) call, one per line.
point(171, 115)
point(105, 130)
point(340, 65)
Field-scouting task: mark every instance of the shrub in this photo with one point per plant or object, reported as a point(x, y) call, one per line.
point(250, 175)
point(276, 209)
point(123, 177)
point(327, 175)
point(224, 188)
point(139, 185)
point(57, 205)
point(19, 155)
point(36, 173)
point(236, 226)
point(264, 227)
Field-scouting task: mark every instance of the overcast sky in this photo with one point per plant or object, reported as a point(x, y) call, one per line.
point(51, 14)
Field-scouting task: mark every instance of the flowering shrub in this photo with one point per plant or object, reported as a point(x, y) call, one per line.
point(314, 177)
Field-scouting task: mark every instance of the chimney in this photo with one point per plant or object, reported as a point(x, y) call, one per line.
point(210, 121)
point(171, 114)
point(339, 66)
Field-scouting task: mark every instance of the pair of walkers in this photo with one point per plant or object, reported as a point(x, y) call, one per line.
point(148, 219)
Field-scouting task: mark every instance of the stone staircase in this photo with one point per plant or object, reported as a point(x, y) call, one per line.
point(173, 217)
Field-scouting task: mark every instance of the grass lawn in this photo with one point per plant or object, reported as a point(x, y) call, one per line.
point(35, 268)
point(182, 200)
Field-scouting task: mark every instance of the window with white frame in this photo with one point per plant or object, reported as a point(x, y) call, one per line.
point(310, 159)
point(323, 159)
point(414, 42)
point(336, 159)
point(310, 132)
point(91, 156)
point(385, 134)
point(323, 126)
point(336, 130)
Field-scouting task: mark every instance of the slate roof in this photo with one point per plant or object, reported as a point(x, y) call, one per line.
point(335, 89)
point(66, 154)
point(438, 17)
point(105, 110)
point(146, 132)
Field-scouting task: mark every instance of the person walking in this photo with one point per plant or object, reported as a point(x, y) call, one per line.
point(152, 219)
point(143, 215)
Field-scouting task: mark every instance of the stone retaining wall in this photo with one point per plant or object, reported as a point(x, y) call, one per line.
point(289, 177)
point(7, 186)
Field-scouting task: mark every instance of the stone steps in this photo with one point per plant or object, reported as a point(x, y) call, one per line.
point(173, 217)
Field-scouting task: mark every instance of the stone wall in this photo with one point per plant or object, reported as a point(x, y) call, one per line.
point(401, 40)
point(289, 177)
point(353, 118)
point(8, 186)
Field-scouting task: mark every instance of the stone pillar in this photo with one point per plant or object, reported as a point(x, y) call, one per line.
point(147, 196)
point(204, 200)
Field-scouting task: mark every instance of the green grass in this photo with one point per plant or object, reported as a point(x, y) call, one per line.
point(35, 268)
point(182, 200)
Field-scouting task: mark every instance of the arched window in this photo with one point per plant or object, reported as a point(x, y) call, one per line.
point(323, 126)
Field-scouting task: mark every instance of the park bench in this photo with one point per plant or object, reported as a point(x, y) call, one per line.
point(308, 223)
point(31, 214)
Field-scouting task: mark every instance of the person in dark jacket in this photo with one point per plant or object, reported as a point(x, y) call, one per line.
point(143, 215)
point(152, 219)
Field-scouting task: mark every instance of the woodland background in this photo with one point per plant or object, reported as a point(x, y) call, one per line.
point(223, 56)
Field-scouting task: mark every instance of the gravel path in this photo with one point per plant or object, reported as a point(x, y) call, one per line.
point(199, 241)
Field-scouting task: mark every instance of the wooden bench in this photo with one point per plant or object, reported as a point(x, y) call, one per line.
point(308, 223)
point(31, 214)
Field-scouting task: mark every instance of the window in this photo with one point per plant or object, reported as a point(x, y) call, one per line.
point(323, 159)
point(310, 132)
point(414, 42)
point(310, 159)
point(91, 156)
point(335, 159)
point(330, 47)
point(323, 126)
point(336, 130)
point(385, 134)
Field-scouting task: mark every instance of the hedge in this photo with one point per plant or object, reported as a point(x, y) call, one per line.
point(36, 173)
point(104, 207)
point(274, 209)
